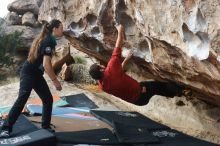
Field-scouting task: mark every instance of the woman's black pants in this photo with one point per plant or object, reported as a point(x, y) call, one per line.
point(31, 79)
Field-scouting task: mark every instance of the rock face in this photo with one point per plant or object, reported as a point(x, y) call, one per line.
point(13, 19)
point(23, 17)
point(23, 6)
point(28, 19)
point(3, 25)
point(172, 40)
point(27, 36)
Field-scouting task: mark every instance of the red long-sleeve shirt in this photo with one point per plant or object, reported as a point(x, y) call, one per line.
point(116, 82)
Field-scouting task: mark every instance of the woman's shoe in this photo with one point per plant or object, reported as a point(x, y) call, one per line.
point(50, 129)
point(5, 133)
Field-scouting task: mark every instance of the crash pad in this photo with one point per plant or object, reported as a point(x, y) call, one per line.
point(95, 136)
point(62, 124)
point(25, 133)
point(133, 134)
point(79, 100)
point(129, 118)
point(175, 138)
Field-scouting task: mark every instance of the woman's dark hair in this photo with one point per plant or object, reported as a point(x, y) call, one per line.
point(95, 72)
point(53, 23)
point(47, 28)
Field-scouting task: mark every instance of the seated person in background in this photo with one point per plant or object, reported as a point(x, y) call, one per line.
point(113, 80)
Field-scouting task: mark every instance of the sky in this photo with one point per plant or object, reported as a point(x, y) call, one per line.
point(3, 7)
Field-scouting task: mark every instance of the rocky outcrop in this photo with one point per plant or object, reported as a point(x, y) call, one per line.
point(52, 9)
point(171, 40)
point(13, 19)
point(23, 17)
point(23, 6)
point(28, 19)
point(27, 36)
point(3, 25)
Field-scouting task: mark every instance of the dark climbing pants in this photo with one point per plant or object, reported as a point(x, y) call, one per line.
point(168, 89)
point(31, 79)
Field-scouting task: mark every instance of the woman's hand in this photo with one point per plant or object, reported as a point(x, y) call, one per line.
point(49, 70)
point(57, 84)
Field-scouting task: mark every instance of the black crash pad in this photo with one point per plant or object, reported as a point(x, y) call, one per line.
point(26, 133)
point(23, 126)
point(97, 136)
point(175, 138)
point(64, 144)
point(128, 118)
point(134, 134)
point(79, 100)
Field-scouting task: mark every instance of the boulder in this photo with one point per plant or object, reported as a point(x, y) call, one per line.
point(47, 7)
point(3, 24)
point(23, 6)
point(13, 18)
point(171, 40)
point(28, 19)
point(27, 37)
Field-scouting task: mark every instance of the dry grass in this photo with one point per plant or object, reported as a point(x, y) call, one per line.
point(91, 87)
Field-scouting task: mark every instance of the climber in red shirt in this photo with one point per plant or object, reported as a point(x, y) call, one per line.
point(113, 80)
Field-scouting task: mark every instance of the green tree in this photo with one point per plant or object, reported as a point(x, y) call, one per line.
point(8, 44)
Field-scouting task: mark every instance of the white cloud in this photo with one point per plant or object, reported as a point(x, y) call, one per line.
point(3, 7)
